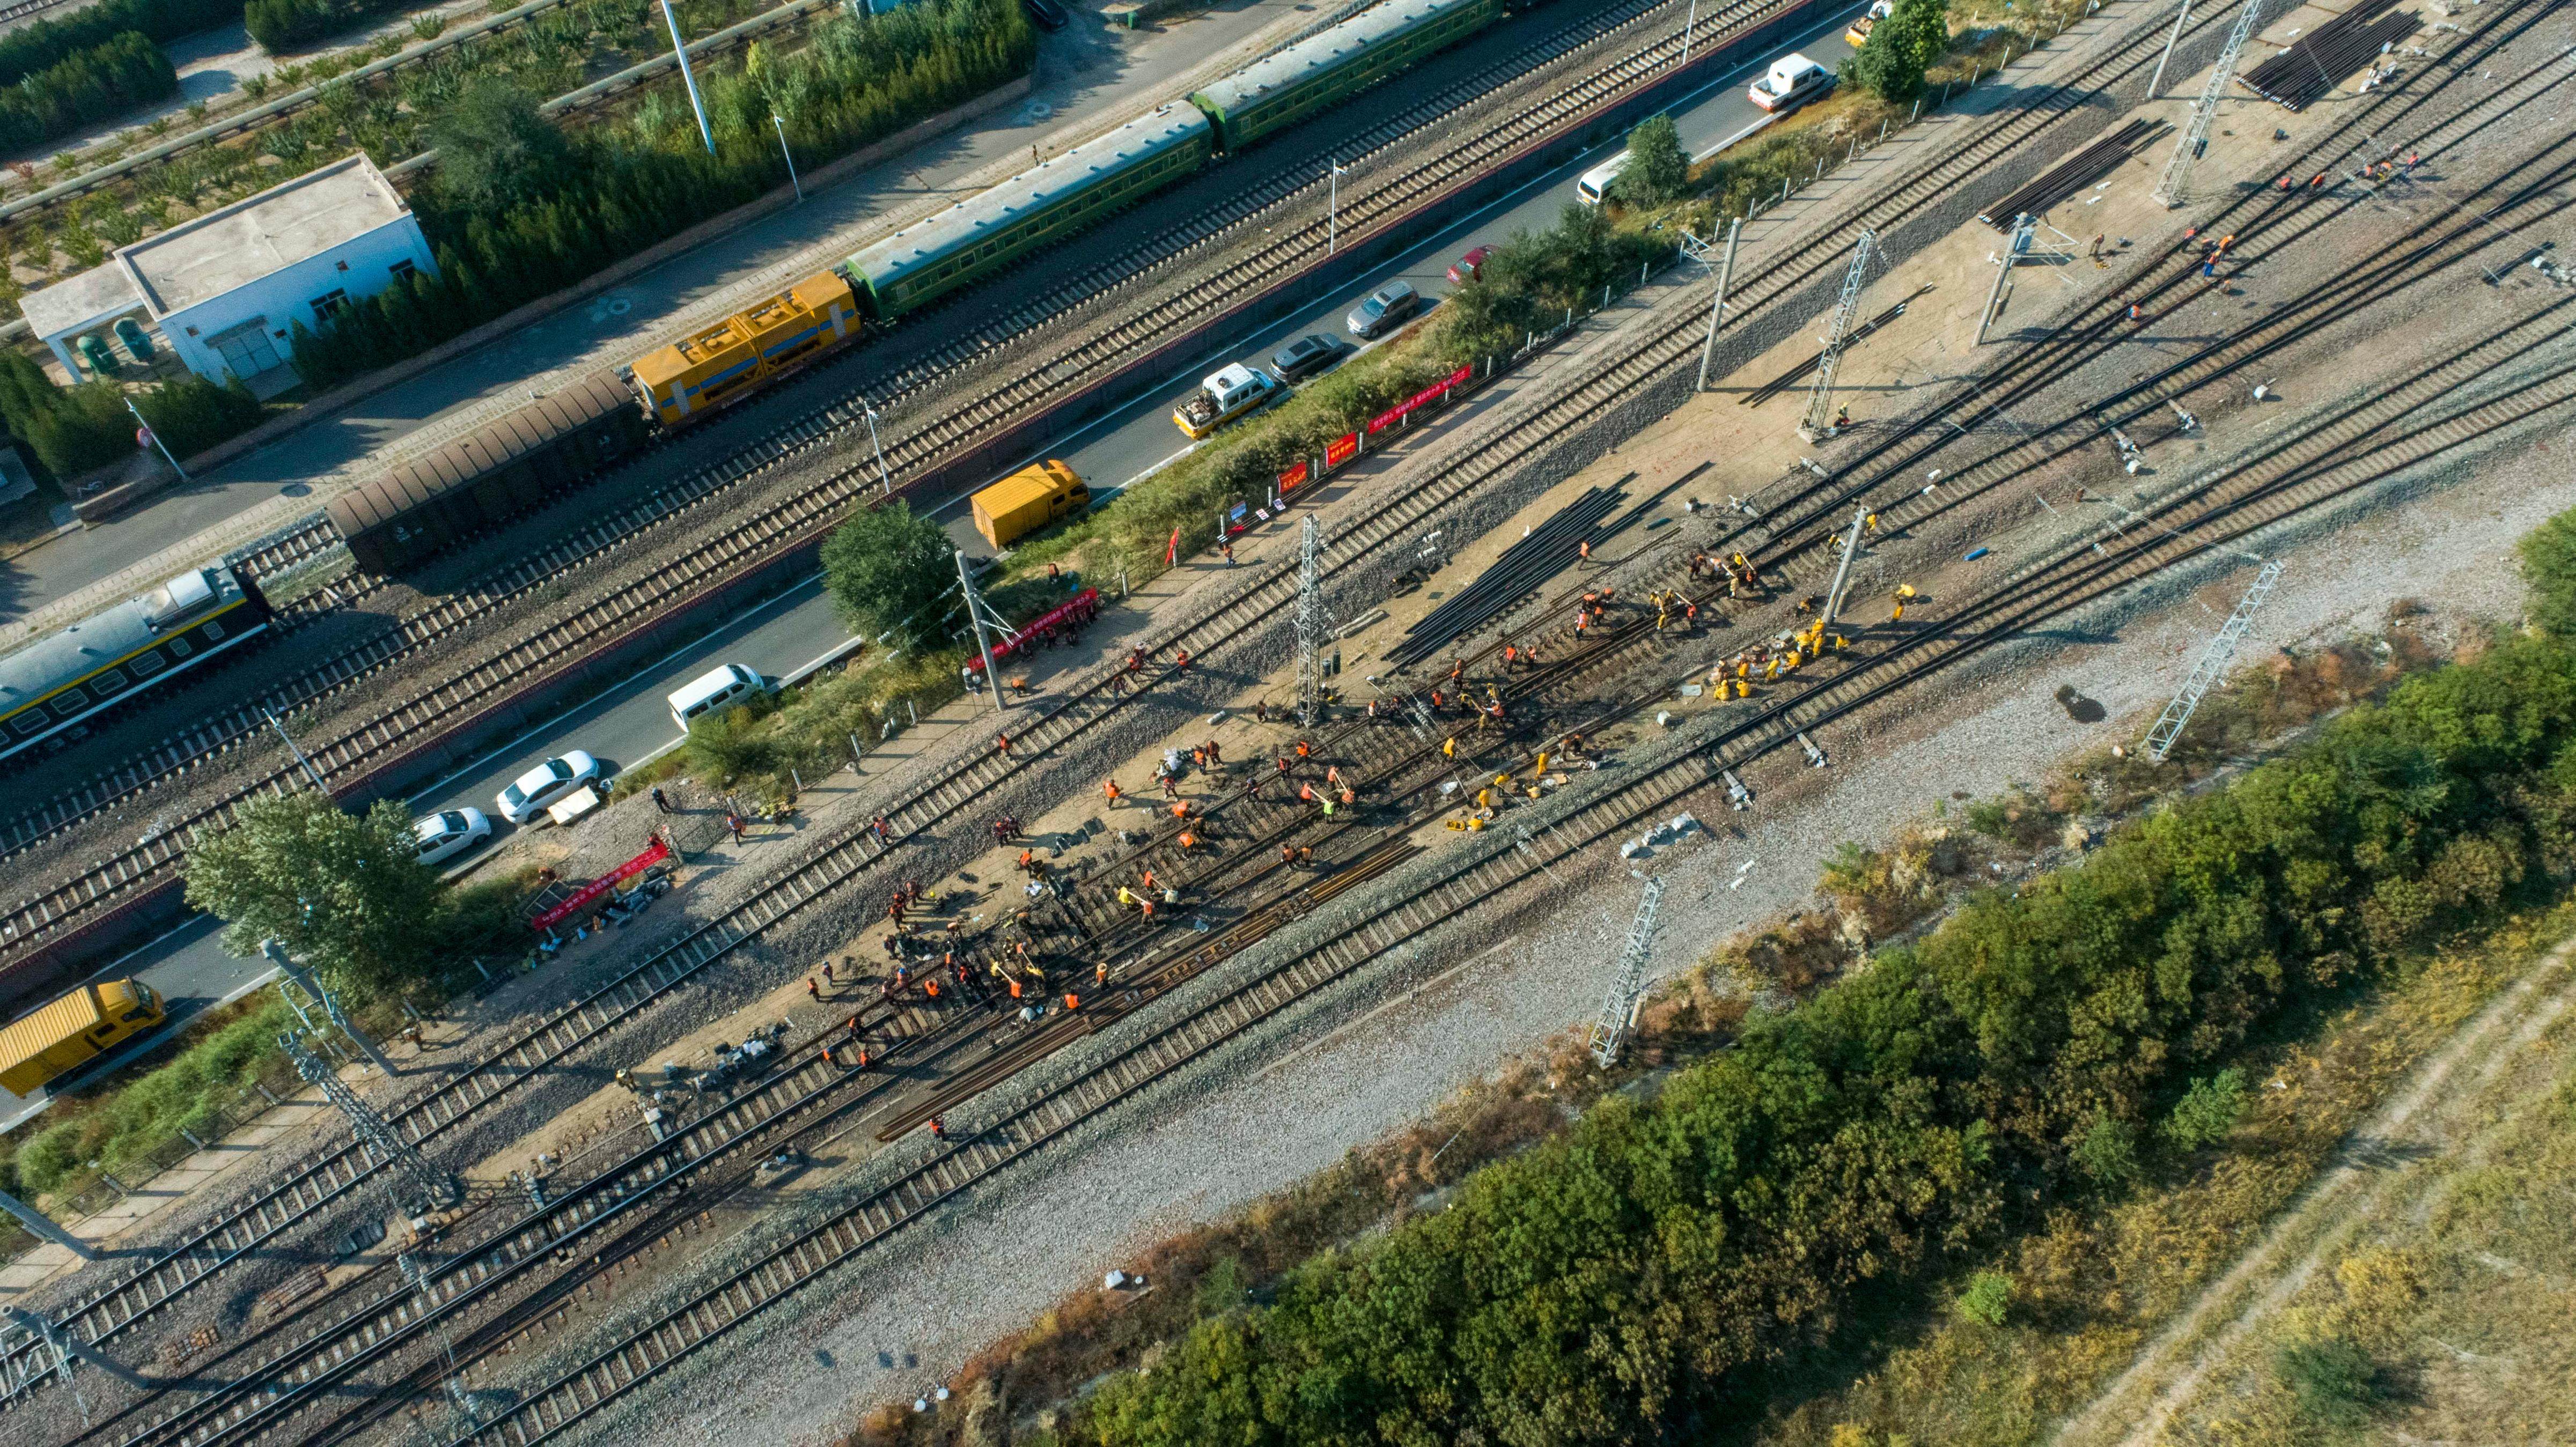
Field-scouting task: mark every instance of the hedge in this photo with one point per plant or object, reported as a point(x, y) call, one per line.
point(1628, 1281)
point(82, 428)
point(619, 189)
point(284, 24)
point(50, 42)
point(86, 87)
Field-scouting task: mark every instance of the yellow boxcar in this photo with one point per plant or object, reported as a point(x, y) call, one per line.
point(75, 1030)
point(1028, 499)
point(699, 374)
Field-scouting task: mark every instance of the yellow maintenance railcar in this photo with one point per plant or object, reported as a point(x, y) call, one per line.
point(75, 1030)
point(695, 376)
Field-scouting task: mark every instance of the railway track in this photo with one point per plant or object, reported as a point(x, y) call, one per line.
point(2329, 461)
point(426, 713)
point(306, 1192)
point(473, 1277)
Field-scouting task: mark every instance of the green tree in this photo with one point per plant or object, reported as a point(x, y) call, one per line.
point(1901, 47)
point(1988, 1298)
point(2336, 1381)
point(2207, 1111)
point(1658, 168)
point(2108, 1151)
point(2549, 566)
point(341, 891)
point(495, 151)
point(890, 570)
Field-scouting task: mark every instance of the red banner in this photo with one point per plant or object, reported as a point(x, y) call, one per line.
point(1078, 610)
point(1293, 478)
point(1426, 396)
point(588, 894)
point(1340, 450)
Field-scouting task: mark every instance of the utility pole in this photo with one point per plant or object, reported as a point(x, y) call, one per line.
point(2213, 662)
point(780, 121)
point(2023, 226)
point(303, 979)
point(1819, 421)
point(1698, 251)
point(1310, 620)
point(2176, 186)
point(44, 1228)
point(885, 477)
point(1689, 24)
point(1842, 570)
point(373, 1131)
point(310, 772)
point(2158, 82)
point(975, 611)
point(144, 432)
point(1333, 206)
point(680, 48)
point(1619, 1007)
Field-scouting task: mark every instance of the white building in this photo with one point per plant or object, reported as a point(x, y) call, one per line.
point(226, 289)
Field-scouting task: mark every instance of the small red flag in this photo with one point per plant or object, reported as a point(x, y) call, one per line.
point(1172, 550)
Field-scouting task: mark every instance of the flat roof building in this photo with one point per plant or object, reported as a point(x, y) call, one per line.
point(225, 289)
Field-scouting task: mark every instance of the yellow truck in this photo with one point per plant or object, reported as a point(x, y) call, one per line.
point(698, 374)
point(75, 1030)
point(1027, 500)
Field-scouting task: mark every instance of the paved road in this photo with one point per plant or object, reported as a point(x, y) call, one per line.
point(629, 723)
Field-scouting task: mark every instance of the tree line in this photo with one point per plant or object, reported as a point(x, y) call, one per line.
point(518, 209)
point(78, 429)
point(85, 87)
point(1633, 1280)
point(48, 43)
point(284, 24)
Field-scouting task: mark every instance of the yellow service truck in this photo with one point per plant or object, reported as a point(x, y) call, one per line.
point(75, 1030)
point(1027, 500)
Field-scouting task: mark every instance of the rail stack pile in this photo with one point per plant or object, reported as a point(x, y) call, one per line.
point(1522, 567)
point(2071, 175)
point(2308, 69)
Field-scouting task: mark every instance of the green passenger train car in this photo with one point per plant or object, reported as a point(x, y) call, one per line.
point(1314, 73)
point(1060, 196)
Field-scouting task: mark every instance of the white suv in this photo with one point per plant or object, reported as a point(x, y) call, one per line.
point(546, 783)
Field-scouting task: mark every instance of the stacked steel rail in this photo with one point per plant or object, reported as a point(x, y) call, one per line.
point(1512, 576)
point(2073, 174)
point(2312, 65)
point(844, 860)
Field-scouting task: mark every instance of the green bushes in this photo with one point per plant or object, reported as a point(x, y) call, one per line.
point(85, 87)
point(1900, 49)
point(185, 1094)
point(48, 43)
point(284, 24)
point(85, 427)
point(507, 232)
point(1620, 1283)
point(2549, 568)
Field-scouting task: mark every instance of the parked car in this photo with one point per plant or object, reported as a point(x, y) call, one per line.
point(1792, 81)
point(1466, 268)
point(531, 793)
point(1385, 307)
point(440, 837)
point(1305, 357)
point(1048, 14)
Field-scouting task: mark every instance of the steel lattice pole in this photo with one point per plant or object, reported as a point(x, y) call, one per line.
point(372, 1130)
point(1619, 1007)
point(1820, 397)
point(2175, 189)
point(1310, 620)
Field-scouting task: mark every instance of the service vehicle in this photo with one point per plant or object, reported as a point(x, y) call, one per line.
point(1029, 499)
point(1858, 35)
point(530, 794)
point(1468, 267)
point(69, 677)
point(73, 1031)
point(1792, 81)
point(698, 374)
point(1308, 356)
point(1225, 394)
point(1385, 307)
point(440, 837)
point(1593, 187)
point(713, 691)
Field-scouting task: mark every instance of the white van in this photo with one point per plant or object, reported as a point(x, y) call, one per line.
point(719, 688)
point(1594, 188)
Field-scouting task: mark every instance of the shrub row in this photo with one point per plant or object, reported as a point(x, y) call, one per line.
point(48, 43)
point(518, 211)
point(84, 88)
point(187, 1094)
point(1628, 1281)
point(85, 427)
point(285, 24)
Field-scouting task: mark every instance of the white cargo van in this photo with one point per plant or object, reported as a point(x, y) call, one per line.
point(1594, 188)
point(713, 691)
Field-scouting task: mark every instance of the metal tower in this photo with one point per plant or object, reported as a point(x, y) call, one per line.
point(302, 992)
point(1310, 620)
point(2176, 187)
point(2213, 662)
point(373, 1130)
point(1820, 397)
point(2023, 225)
point(978, 613)
point(1619, 1007)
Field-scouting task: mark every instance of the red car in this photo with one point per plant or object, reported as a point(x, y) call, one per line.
point(1466, 267)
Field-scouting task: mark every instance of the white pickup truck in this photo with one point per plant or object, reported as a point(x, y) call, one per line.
point(1224, 395)
point(1792, 81)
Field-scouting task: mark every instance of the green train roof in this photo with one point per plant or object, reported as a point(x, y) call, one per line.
point(1329, 51)
point(1035, 189)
